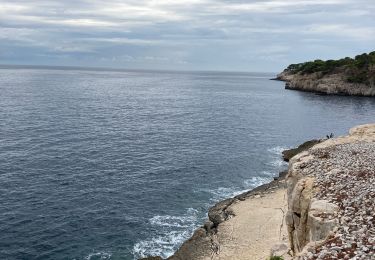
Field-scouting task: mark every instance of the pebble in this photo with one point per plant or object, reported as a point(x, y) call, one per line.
point(347, 179)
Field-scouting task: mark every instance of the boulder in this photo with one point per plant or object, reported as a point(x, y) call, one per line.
point(280, 249)
point(322, 219)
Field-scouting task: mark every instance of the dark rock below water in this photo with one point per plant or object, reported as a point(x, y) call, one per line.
point(282, 175)
point(152, 258)
point(288, 154)
point(219, 213)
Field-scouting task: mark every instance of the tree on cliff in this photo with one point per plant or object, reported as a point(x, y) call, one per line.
point(361, 69)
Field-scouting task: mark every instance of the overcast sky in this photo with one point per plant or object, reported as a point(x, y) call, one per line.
point(231, 35)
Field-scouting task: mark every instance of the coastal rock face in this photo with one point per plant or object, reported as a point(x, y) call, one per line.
point(299, 198)
point(321, 219)
point(244, 227)
point(323, 209)
point(333, 84)
point(331, 191)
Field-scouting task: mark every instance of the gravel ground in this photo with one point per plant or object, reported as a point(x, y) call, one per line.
point(345, 176)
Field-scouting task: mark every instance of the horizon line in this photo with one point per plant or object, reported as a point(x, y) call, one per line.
point(94, 68)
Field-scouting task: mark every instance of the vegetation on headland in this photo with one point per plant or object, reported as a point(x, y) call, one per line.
point(360, 69)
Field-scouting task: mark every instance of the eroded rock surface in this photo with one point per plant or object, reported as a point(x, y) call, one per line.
point(333, 84)
point(241, 228)
point(331, 198)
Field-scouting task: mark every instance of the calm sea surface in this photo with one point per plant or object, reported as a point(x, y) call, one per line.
point(118, 165)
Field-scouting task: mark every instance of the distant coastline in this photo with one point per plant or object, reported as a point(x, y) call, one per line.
point(347, 76)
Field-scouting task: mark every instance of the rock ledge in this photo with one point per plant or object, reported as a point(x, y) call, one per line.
point(332, 84)
point(331, 191)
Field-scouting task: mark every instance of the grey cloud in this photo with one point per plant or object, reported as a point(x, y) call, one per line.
point(185, 34)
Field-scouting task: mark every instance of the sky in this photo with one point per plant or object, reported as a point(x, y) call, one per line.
point(221, 35)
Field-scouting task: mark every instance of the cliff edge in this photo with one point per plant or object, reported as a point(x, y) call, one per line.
point(331, 191)
point(322, 208)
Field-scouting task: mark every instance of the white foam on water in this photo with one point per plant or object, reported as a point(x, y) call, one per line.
point(175, 221)
point(163, 245)
point(254, 182)
point(98, 256)
point(175, 230)
point(277, 150)
point(278, 163)
point(277, 160)
point(267, 173)
point(222, 193)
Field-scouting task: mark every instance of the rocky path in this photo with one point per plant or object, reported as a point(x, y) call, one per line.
point(242, 228)
point(257, 224)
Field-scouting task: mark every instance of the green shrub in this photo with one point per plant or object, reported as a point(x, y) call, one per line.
point(358, 78)
point(276, 258)
point(359, 70)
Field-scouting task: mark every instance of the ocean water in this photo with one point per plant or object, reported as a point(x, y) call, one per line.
point(125, 164)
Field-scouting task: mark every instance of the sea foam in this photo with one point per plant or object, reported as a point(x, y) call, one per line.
point(174, 230)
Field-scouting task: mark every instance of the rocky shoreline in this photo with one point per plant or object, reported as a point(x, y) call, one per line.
point(203, 241)
point(331, 84)
point(321, 208)
point(204, 244)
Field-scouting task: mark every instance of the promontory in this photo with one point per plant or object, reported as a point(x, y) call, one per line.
point(347, 76)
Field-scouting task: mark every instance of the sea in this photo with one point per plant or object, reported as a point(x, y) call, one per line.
point(115, 164)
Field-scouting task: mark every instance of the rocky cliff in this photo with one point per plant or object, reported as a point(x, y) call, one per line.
point(332, 84)
point(331, 191)
point(347, 76)
point(324, 208)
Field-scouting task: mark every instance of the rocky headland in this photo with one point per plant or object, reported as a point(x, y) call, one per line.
point(346, 76)
point(323, 207)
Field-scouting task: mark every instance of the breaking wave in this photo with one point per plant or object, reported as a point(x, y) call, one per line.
point(99, 256)
point(174, 231)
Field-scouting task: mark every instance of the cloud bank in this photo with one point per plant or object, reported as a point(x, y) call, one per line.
point(181, 34)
